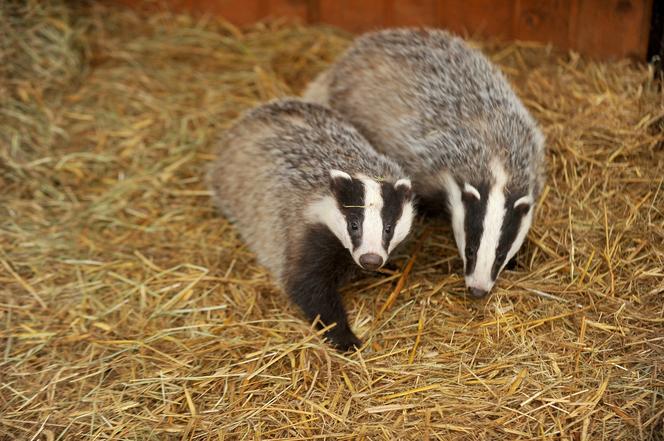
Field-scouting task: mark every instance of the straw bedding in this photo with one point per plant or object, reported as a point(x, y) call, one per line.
point(130, 310)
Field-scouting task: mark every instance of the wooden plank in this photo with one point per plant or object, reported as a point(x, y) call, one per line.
point(412, 13)
point(355, 16)
point(294, 10)
point(544, 20)
point(237, 12)
point(613, 28)
point(478, 17)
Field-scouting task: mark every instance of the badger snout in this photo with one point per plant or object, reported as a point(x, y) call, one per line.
point(477, 293)
point(478, 287)
point(371, 261)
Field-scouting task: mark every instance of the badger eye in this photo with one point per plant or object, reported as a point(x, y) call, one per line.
point(354, 225)
point(388, 229)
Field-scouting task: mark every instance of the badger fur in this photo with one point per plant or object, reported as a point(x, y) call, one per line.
point(438, 107)
point(313, 200)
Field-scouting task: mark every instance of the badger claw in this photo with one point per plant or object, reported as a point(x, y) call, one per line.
point(344, 340)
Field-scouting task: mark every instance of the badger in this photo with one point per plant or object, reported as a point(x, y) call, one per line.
point(447, 115)
point(313, 200)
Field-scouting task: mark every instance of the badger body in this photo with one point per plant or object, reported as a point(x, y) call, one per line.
point(313, 200)
point(446, 114)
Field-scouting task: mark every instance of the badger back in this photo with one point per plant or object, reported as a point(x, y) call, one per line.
point(430, 101)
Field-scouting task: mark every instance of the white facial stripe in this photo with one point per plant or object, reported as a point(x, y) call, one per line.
point(524, 200)
point(498, 172)
point(339, 174)
point(403, 226)
point(524, 227)
point(492, 225)
point(457, 211)
point(467, 188)
point(372, 226)
point(326, 211)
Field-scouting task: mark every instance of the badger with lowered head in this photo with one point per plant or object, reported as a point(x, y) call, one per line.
point(450, 118)
point(313, 200)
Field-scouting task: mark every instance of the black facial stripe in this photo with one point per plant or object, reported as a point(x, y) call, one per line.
point(393, 202)
point(508, 233)
point(474, 225)
point(349, 194)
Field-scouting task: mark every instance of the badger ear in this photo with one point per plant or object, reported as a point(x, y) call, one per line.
point(403, 182)
point(522, 205)
point(339, 181)
point(338, 174)
point(470, 193)
point(404, 187)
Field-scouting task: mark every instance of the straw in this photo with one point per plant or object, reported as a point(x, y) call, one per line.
point(131, 310)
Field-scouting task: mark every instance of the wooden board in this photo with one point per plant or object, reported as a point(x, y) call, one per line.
point(600, 28)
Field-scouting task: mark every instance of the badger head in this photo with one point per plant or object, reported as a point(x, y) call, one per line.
point(369, 217)
point(490, 223)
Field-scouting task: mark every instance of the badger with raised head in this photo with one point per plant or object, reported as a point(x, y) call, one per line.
point(449, 117)
point(313, 200)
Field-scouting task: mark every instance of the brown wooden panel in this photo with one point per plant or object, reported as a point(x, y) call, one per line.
point(602, 28)
point(613, 27)
point(356, 16)
point(478, 17)
point(412, 13)
point(544, 20)
point(298, 10)
point(238, 12)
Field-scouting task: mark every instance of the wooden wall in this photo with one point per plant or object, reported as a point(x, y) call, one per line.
point(601, 28)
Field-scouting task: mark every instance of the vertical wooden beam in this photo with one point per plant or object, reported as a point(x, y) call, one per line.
point(573, 28)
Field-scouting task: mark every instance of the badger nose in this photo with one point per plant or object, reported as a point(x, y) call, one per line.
point(477, 293)
point(371, 261)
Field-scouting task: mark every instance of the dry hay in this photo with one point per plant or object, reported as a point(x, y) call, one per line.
point(131, 311)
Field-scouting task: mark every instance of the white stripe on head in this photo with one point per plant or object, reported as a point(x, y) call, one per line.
point(457, 211)
point(492, 226)
point(403, 225)
point(326, 211)
point(372, 226)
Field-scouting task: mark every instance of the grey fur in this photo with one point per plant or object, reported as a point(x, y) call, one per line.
point(274, 162)
point(429, 101)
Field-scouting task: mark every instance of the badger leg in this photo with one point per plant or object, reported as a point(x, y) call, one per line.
point(317, 298)
point(313, 278)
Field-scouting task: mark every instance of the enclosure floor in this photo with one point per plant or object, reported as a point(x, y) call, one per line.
point(131, 310)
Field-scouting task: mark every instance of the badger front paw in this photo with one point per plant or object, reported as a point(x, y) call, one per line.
point(343, 340)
